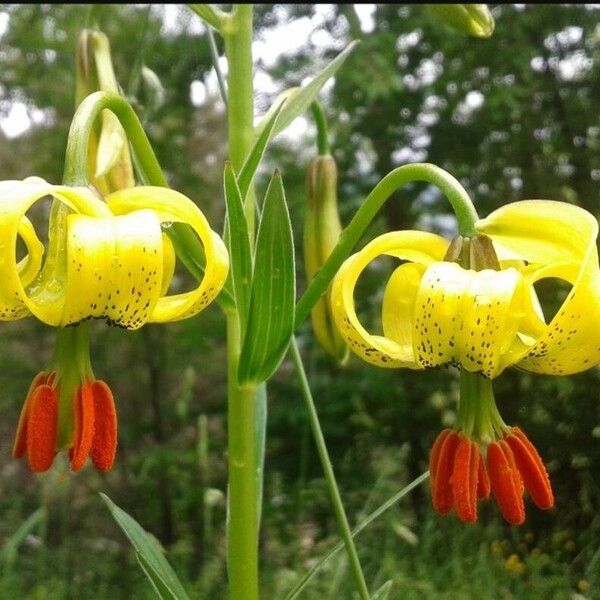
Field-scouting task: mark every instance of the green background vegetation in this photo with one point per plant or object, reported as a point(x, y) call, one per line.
point(512, 117)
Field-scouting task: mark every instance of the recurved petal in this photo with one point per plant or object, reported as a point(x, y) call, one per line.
point(170, 207)
point(570, 343)
point(561, 240)
point(384, 351)
point(26, 290)
point(29, 266)
point(543, 231)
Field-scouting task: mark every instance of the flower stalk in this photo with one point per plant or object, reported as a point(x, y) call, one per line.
point(242, 533)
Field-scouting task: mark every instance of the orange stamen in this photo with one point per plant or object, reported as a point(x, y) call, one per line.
point(442, 487)
point(483, 481)
point(104, 443)
point(83, 406)
point(41, 428)
point(464, 480)
point(20, 445)
point(435, 453)
point(506, 482)
point(532, 469)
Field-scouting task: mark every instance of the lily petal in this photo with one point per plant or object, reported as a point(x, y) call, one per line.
point(171, 206)
point(115, 268)
point(570, 342)
point(471, 317)
point(25, 290)
point(542, 231)
point(560, 240)
point(399, 298)
point(419, 247)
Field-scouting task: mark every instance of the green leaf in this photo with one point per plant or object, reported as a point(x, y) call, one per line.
point(297, 100)
point(150, 555)
point(271, 316)
point(383, 592)
point(238, 243)
point(249, 168)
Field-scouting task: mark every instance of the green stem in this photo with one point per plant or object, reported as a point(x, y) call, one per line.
point(243, 496)
point(336, 499)
point(242, 536)
point(237, 33)
point(321, 122)
point(458, 197)
point(478, 415)
point(81, 129)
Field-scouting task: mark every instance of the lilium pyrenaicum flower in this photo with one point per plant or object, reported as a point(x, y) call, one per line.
point(115, 263)
point(483, 320)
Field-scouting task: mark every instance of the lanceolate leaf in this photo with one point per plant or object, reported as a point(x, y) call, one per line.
point(300, 99)
point(271, 317)
point(238, 243)
point(150, 555)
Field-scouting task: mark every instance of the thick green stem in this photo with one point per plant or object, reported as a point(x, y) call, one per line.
point(243, 500)
point(336, 499)
point(458, 197)
point(237, 32)
point(242, 542)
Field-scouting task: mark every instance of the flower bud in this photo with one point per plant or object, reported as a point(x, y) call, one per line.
point(471, 19)
point(109, 161)
point(322, 229)
point(152, 88)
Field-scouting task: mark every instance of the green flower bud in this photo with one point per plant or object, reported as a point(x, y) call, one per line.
point(322, 229)
point(471, 19)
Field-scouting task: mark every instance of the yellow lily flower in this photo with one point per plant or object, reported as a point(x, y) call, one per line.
point(117, 263)
point(481, 313)
point(108, 260)
point(436, 312)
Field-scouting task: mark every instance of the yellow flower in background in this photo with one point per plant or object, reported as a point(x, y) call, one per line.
point(117, 263)
point(472, 303)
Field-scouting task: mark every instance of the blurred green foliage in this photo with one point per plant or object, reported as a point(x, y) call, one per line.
point(513, 117)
